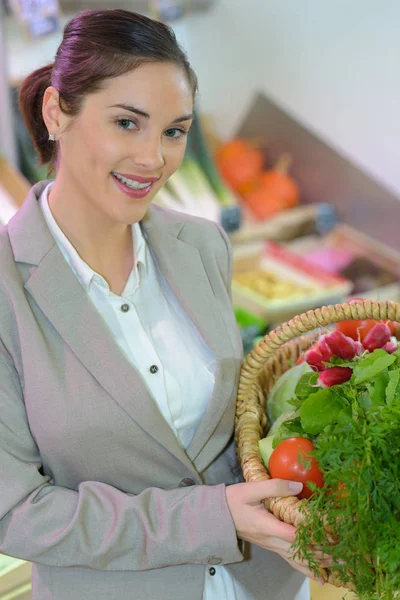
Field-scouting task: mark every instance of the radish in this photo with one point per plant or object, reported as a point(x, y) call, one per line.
point(341, 345)
point(377, 338)
point(314, 359)
point(359, 348)
point(324, 349)
point(334, 376)
point(390, 347)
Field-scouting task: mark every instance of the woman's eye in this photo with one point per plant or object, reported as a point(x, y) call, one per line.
point(175, 133)
point(125, 124)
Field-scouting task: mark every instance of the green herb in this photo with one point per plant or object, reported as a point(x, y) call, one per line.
point(356, 431)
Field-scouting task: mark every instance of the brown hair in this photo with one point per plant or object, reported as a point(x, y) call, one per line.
point(97, 45)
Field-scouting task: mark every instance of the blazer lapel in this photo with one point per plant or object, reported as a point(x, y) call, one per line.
point(61, 298)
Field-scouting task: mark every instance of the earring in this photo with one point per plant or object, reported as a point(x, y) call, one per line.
point(51, 137)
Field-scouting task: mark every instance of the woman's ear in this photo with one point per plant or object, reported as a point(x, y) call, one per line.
point(53, 116)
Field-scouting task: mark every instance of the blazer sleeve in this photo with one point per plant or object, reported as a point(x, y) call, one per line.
point(98, 526)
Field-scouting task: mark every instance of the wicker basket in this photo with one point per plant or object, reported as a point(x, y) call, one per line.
point(273, 355)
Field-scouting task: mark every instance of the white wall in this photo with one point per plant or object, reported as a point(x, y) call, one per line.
point(333, 64)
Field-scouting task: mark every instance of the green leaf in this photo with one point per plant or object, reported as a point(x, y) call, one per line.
point(336, 361)
point(365, 400)
point(391, 389)
point(319, 410)
point(307, 385)
point(289, 429)
point(377, 389)
point(371, 366)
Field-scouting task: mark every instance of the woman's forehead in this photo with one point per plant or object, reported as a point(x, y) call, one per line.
point(149, 87)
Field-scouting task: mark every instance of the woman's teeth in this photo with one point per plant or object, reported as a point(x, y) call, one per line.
point(135, 185)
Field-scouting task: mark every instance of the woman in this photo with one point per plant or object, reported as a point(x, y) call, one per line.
point(119, 351)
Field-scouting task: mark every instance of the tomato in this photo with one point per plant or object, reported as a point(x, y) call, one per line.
point(291, 461)
point(353, 328)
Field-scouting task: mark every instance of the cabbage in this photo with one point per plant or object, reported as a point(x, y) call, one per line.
point(265, 445)
point(283, 391)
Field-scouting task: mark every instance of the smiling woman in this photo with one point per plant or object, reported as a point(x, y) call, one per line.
point(119, 350)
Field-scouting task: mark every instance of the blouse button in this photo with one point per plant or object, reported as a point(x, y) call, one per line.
point(125, 307)
point(212, 571)
point(153, 369)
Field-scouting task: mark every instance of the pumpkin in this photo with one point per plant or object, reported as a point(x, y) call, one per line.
point(239, 163)
point(273, 190)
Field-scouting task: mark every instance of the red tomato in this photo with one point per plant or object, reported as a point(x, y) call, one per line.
point(354, 328)
point(291, 461)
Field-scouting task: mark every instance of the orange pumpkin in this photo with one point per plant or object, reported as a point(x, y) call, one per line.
point(274, 190)
point(239, 163)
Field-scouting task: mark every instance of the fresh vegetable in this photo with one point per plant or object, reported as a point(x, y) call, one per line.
point(324, 348)
point(355, 429)
point(390, 347)
point(292, 460)
point(197, 149)
point(349, 414)
point(284, 390)
point(341, 345)
point(265, 445)
point(273, 190)
point(313, 357)
point(240, 163)
point(377, 337)
point(334, 376)
point(357, 329)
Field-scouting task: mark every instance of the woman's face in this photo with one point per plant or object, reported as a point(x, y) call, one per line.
point(128, 139)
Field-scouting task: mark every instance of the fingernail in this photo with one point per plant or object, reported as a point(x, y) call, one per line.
point(295, 486)
point(321, 582)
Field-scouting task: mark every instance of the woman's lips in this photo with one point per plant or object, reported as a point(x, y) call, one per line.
point(130, 191)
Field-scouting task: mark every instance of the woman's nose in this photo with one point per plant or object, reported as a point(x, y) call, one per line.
point(149, 154)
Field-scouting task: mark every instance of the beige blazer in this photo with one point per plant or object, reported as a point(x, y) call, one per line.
point(95, 489)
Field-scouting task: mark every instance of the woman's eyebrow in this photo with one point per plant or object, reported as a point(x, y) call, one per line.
point(147, 116)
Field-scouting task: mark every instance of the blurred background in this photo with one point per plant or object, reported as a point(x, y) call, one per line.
point(295, 149)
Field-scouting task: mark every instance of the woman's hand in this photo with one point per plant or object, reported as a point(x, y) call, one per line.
point(256, 525)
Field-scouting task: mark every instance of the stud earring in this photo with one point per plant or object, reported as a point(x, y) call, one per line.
point(51, 137)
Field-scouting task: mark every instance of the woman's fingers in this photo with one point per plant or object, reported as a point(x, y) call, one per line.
point(257, 491)
point(278, 529)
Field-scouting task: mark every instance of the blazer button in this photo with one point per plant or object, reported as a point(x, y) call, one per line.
point(214, 560)
point(186, 482)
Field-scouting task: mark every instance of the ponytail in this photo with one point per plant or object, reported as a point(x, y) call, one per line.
point(30, 102)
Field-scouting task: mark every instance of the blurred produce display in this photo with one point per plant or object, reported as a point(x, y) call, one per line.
point(372, 267)
point(240, 163)
point(276, 284)
point(251, 327)
point(272, 285)
point(265, 192)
